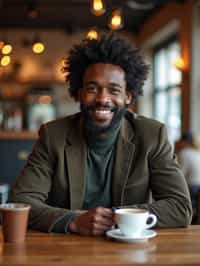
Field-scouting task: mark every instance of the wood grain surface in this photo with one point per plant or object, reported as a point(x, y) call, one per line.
point(179, 246)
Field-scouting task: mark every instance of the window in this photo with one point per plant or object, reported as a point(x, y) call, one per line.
point(167, 87)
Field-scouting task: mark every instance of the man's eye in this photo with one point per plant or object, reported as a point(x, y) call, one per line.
point(115, 91)
point(91, 89)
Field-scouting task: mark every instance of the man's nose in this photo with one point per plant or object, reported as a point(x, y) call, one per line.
point(103, 96)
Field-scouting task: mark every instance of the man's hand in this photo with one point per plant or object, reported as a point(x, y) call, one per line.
point(92, 222)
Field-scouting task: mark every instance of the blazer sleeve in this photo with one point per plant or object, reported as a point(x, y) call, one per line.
point(171, 200)
point(34, 184)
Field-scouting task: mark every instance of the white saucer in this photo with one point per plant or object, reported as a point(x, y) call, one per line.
point(116, 234)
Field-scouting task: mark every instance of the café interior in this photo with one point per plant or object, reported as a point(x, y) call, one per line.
point(35, 37)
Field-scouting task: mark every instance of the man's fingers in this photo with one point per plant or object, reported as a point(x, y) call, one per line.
point(99, 229)
point(104, 212)
point(102, 220)
point(93, 222)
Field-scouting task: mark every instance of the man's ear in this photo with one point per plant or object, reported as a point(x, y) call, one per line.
point(128, 97)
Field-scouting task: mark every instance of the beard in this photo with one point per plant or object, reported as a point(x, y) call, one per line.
point(92, 128)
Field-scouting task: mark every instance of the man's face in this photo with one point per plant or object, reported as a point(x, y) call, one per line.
point(104, 93)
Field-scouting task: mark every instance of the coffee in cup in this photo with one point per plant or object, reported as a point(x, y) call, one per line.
point(132, 222)
point(14, 218)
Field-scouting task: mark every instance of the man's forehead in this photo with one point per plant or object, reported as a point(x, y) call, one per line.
point(111, 73)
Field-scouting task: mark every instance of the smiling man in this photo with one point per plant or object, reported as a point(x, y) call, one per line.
point(104, 156)
point(103, 97)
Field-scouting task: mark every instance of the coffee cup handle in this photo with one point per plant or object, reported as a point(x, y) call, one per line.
point(153, 222)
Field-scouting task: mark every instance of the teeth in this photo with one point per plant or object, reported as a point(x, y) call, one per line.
point(103, 112)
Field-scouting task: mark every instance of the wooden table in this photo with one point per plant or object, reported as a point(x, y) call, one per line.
point(169, 247)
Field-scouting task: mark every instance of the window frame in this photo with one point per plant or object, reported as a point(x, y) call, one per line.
point(168, 88)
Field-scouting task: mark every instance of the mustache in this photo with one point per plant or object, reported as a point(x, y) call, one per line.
point(92, 107)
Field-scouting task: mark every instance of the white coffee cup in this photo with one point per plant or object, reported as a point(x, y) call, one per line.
point(132, 222)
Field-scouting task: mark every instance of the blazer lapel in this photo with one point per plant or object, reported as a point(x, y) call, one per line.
point(124, 156)
point(76, 160)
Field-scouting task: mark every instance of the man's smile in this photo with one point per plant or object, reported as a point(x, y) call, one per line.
point(102, 114)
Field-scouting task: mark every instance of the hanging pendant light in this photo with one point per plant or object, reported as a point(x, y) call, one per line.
point(6, 49)
point(92, 34)
point(180, 64)
point(98, 7)
point(5, 60)
point(38, 46)
point(116, 19)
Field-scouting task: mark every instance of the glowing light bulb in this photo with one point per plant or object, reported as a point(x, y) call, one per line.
point(98, 7)
point(7, 49)
point(5, 60)
point(38, 47)
point(179, 63)
point(92, 34)
point(116, 21)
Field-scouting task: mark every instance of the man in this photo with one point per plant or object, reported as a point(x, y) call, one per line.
point(104, 156)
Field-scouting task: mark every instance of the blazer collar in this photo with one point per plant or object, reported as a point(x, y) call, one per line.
point(125, 151)
point(76, 161)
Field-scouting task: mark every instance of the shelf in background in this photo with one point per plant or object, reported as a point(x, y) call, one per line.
point(18, 135)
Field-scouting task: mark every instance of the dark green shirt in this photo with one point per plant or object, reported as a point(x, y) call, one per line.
point(98, 180)
point(100, 159)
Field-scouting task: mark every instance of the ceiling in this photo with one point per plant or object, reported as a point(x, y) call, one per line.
point(74, 15)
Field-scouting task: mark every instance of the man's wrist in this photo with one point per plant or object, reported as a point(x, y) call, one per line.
point(72, 227)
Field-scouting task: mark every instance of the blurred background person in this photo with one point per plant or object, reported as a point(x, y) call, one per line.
point(188, 151)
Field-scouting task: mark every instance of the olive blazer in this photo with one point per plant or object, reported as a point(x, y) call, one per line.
point(53, 180)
